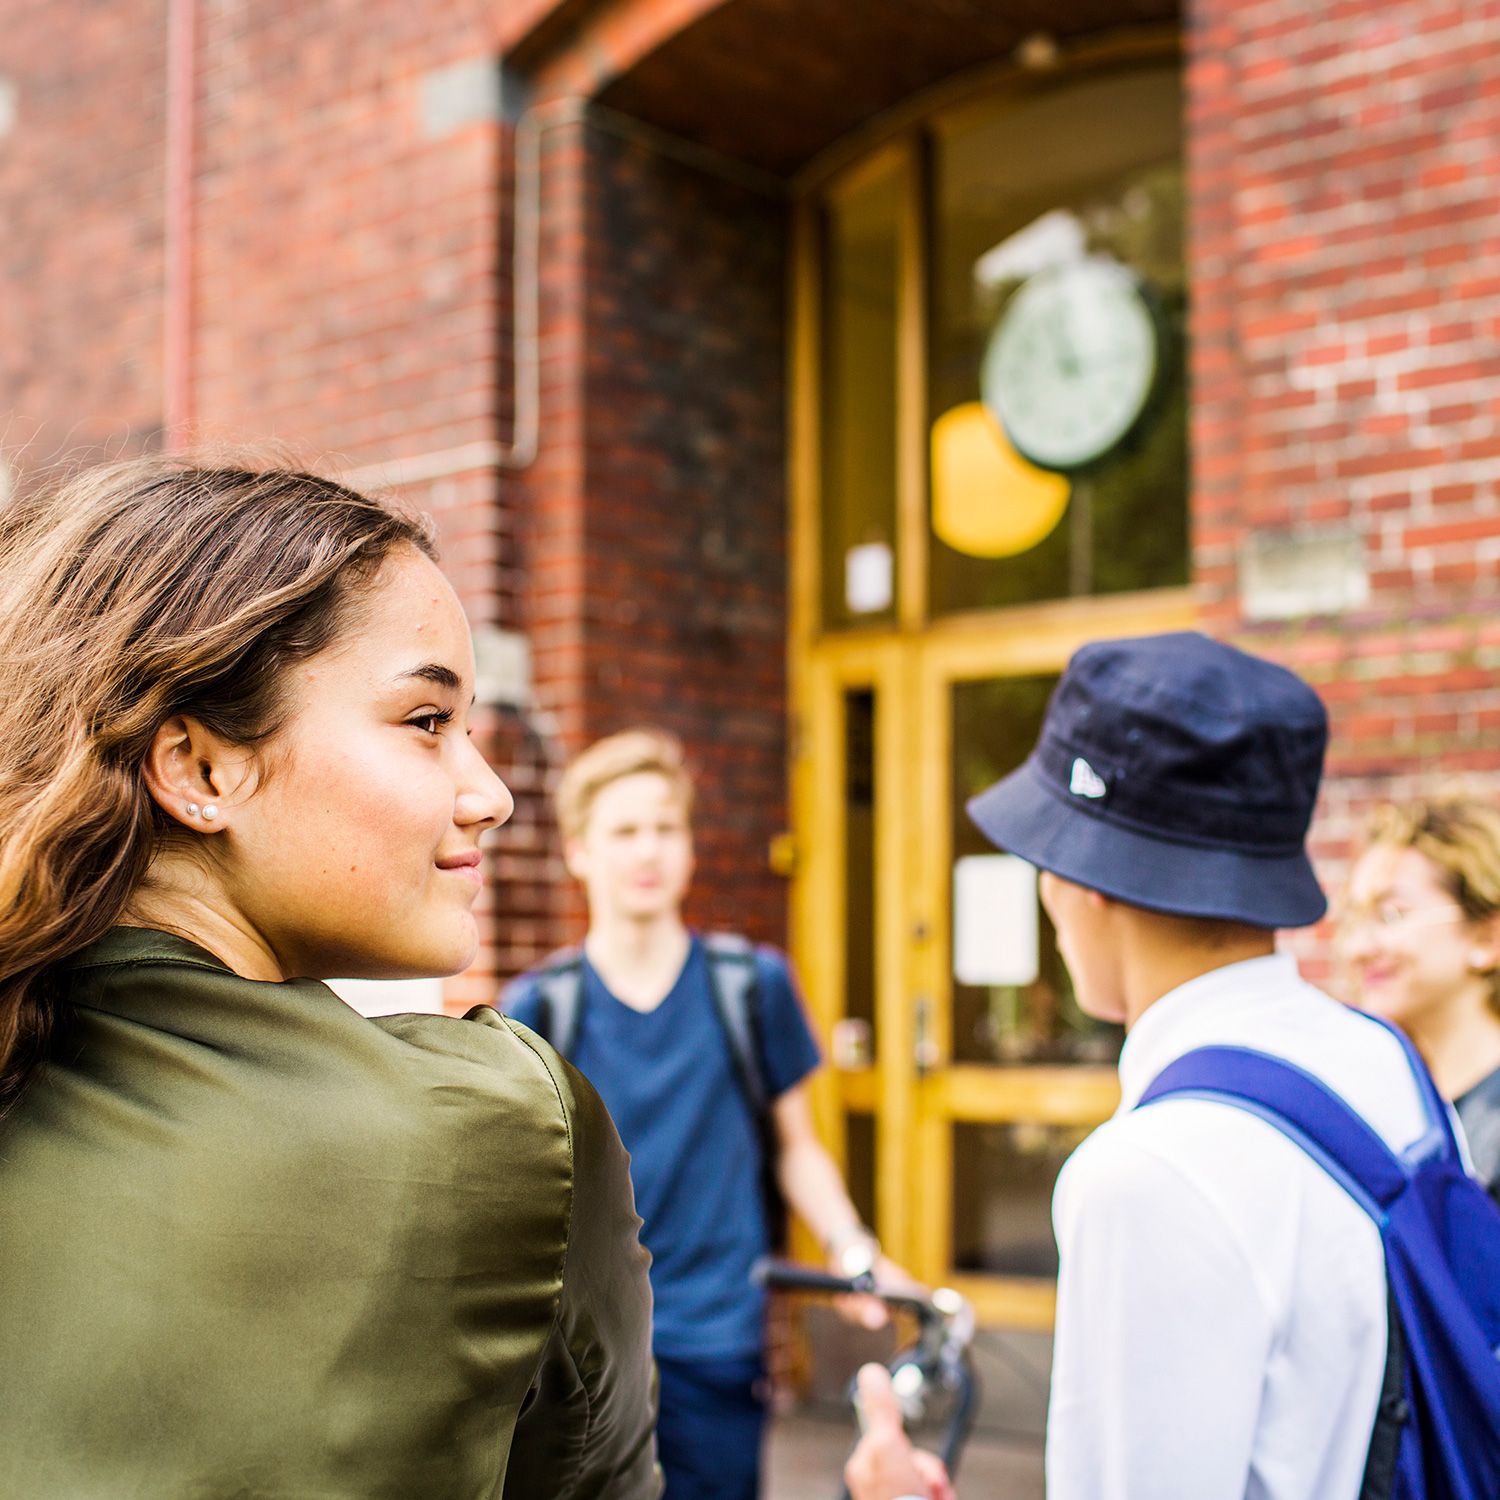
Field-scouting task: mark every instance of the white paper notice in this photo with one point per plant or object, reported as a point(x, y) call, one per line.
point(994, 920)
point(869, 578)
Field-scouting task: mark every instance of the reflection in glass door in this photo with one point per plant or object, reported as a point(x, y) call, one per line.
point(1003, 1176)
point(859, 337)
point(1107, 513)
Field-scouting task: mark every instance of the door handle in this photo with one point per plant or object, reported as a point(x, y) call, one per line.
point(853, 1044)
point(926, 1053)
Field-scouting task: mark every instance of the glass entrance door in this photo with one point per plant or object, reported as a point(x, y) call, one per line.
point(962, 1072)
point(989, 468)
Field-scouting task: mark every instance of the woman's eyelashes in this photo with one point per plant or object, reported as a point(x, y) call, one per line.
point(431, 720)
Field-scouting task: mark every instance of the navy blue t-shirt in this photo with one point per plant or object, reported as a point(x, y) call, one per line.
point(667, 1078)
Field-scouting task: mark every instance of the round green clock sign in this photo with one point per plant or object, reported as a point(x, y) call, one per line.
point(1072, 363)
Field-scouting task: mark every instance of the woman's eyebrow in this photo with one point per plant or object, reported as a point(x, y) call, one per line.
point(435, 671)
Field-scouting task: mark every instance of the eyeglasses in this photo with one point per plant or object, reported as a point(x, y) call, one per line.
point(1387, 919)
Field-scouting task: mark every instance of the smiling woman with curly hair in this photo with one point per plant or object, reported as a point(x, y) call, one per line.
point(1421, 937)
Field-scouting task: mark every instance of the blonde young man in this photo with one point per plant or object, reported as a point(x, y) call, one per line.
point(645, 1022)
point(1222, 1313)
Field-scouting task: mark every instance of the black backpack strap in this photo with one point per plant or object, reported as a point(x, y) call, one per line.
point(1391, 1415)
point(736, 992)
point(734, 979)
point(559, 993)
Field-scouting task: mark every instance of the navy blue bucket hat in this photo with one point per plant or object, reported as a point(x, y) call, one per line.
point(1174, 773)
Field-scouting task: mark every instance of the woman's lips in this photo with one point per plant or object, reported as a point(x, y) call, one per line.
point(466, 864)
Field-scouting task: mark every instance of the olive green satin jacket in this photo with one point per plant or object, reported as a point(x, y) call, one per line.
point(254, 1245)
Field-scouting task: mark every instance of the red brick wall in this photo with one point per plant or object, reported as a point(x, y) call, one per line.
point(344, 301)
point(347, 302)
point(345, 243)
point(654, 517)
point(547, 499)
point(1345, 162)
point(684, 603)
point(81, 197)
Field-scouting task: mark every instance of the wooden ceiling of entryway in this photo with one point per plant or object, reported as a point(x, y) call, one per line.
point(773, 82)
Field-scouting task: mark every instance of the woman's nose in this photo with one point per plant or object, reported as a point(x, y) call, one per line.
point(484, 800)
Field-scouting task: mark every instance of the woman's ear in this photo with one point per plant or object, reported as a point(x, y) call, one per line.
point(193, 775)
point(1484, 945)
point(576, 858)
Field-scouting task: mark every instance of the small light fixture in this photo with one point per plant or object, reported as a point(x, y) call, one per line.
point(1038, 52)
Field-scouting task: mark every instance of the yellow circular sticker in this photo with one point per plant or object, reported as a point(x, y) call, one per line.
point(988, 501)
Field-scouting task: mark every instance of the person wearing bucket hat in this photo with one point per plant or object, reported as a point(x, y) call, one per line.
point(1176, 774)
point(1222, 1312)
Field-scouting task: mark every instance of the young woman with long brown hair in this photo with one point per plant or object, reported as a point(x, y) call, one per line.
point(252, 1244)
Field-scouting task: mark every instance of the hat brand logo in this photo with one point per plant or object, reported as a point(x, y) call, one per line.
point(1086, 781)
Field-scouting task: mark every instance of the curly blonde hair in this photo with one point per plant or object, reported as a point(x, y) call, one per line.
point(1459, 835)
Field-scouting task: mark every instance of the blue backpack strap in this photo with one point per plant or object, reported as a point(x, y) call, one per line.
point(736, 992)
point(559, 992)
point(1300, 1106)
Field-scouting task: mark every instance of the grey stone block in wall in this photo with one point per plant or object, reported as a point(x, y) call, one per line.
point(502, 667)
point(1286, 575)
point(461, 94)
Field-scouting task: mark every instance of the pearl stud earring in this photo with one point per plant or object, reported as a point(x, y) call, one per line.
point(192, 809)
point(210, 812)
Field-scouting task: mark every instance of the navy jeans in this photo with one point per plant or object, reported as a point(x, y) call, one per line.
point(710, 1427)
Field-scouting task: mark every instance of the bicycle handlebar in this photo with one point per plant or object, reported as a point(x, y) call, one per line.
point(789, 1275)
point(938, 1360)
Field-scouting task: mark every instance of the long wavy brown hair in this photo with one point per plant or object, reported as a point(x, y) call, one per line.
point(130, 593)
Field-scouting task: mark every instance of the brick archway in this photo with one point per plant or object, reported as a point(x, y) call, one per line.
point(651, 526)
point(771, 82)
point(580, 47)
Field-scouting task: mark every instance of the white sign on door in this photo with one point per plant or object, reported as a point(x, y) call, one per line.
point(994, 920)
point(869, 578)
